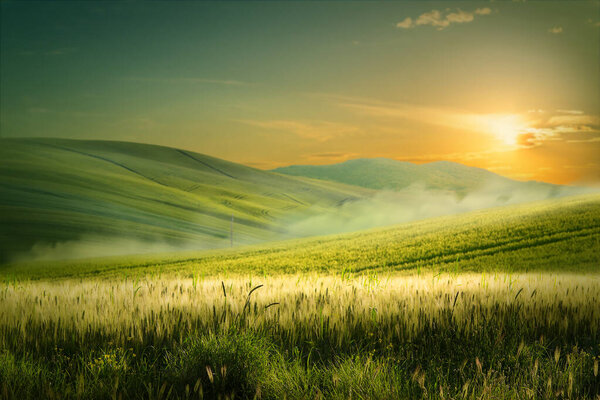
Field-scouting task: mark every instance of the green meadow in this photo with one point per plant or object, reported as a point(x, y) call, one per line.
point(499, 303)
point(504, 239)
point(57, 190)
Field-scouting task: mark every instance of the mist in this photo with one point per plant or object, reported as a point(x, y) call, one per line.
point(417, 202)
point(94, 245)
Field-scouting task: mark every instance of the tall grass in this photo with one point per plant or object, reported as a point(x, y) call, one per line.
point(303, 336)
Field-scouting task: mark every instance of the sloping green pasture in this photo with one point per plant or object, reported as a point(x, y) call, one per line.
point(554, 235)
point(55, 190)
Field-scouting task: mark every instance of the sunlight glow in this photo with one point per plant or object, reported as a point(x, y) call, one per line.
point(505, 128)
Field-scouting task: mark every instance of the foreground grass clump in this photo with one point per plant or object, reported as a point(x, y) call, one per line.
point(360, 336)
point(224, 364)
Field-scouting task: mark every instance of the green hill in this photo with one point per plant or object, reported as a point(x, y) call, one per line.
point(383, 173)
point(54, 191)
point(551, 235)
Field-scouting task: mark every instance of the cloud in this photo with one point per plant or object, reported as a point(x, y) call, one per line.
point(332, 155)
point(574, 112)
point(433, 18)
point(406, 23)
point(556, 29)
point(440, 20)
point(524, 130)
point(590, 140)
point(459, 17)
point(321, 131)
point(456, 119)
point(571, 126)
point(570, 120)
point(526, 139)
point(593, 23)
point(457, 157)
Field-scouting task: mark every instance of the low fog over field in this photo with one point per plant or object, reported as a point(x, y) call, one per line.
point(384, 208)
point(418, 202)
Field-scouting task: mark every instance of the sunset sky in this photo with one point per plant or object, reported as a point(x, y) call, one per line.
point(513, 87)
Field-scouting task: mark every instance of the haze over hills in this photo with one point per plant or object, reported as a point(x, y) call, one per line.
point(64, 198)
point(481, 240)
point(385, 173)
point(56, 191)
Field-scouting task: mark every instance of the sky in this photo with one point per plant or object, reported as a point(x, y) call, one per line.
point(513, 87)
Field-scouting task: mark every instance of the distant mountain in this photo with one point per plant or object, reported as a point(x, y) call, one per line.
point(55, 191)
point(384, 173)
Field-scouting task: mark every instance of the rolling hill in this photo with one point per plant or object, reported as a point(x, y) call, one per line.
point(74, 199)
point(551, 235)
point(383, 173)
point(55, 191)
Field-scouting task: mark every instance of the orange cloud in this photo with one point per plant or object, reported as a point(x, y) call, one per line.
point(441, 21)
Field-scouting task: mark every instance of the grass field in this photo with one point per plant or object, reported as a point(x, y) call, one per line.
point(442, 336)
point(492, 304)
point(557, 235)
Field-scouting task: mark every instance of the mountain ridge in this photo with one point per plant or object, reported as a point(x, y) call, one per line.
point(385, 173)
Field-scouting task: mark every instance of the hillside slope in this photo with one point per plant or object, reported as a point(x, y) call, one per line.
point(552, 235)
point(383, 173)
point(54, 190)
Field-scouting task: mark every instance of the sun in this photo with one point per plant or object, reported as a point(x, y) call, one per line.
point(505, 128)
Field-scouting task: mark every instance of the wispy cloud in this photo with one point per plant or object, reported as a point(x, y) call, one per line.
point(593, 23)
point(515, 130)
point(590, 140)
point(227, 82)
point(332, 156)
point(572, 112)
point(389, 110)
point(441, 20)
point(574, 120)
point(321, 131)
point(572, 126)
point(556, 30)
point(458, 157)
